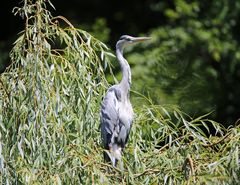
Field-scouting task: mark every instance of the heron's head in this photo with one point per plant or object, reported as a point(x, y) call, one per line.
point(127, 40)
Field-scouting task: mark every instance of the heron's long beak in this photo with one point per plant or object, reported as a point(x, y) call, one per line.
point(140, 39)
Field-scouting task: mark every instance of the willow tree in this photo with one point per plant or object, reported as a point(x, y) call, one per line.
point(49, 95)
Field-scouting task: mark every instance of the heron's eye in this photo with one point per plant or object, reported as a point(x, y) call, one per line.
point(122, 38)
point(125, 38)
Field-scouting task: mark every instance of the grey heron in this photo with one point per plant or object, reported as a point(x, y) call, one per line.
point(116, 113)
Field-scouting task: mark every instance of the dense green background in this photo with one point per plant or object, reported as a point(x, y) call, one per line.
point(193, 60)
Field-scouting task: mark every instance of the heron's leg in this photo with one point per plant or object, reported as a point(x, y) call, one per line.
point(106, 156)
point(121, 165)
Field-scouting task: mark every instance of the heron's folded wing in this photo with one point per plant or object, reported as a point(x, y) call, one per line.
point(109, 116)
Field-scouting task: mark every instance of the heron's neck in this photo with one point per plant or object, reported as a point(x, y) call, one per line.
point(126, 71)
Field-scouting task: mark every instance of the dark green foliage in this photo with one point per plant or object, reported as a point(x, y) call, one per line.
point(193, 59)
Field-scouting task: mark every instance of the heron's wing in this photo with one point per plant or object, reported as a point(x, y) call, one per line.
point(109, 115)
point(126, 129)
point(123, 135)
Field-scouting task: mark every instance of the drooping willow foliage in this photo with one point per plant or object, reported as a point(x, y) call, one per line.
point(49, 118)
point(49, 95)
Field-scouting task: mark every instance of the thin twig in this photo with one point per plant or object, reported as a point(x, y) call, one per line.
point(64, 19)
point(189, 161)
point(191, 164)
point(147, 171)
point(219, 141)
point(165, 146)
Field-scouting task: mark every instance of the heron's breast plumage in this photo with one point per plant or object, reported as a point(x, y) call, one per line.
point(126, 113)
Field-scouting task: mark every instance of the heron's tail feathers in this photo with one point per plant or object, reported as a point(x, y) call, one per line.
point(114, 155)
point(116, 151)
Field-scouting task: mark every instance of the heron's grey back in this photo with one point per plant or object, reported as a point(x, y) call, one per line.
point(113, 129)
